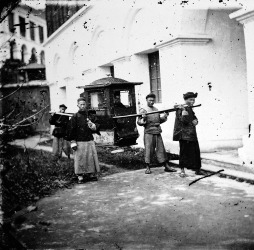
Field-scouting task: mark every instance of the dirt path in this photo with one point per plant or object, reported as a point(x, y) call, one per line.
point(132, 210)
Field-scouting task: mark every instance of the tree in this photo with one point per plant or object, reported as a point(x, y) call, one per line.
point(13, 119)
point(10, 122)
point(6, 7)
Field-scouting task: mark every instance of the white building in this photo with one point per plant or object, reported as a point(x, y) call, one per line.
point(194, 48)
point(22, 34)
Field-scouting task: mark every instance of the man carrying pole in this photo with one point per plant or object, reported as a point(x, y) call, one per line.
point(59, 133)
point(185, 132)
point(152, 135)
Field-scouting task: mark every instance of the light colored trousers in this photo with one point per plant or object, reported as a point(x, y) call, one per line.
point(154, 144)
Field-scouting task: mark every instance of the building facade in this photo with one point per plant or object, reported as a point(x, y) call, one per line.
point(169, 47)
point(22, 67)
point(22, 34)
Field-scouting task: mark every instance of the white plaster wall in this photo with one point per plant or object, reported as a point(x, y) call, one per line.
point(221, 62)
point(125, 38)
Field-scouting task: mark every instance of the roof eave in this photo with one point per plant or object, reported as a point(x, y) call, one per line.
point(108, 84)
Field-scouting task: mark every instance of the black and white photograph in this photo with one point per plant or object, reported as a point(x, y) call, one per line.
point(127, 124)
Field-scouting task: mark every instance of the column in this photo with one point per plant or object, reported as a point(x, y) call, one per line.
point(246, 17)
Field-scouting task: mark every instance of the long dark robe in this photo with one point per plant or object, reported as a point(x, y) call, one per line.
point(185, 133)
point(189, 155)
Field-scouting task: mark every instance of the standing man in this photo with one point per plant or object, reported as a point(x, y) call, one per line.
point(59, 133)
point(185, 133)
point(152, 135)
point(80, 132)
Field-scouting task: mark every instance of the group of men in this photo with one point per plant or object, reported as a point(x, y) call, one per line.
point(77, 134)
point(184, 132)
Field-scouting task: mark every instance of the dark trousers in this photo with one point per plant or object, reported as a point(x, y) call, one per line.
point(189, 155)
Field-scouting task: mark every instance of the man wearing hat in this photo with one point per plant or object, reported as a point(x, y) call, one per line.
point(59, 133)
point(185, 132)
point(152, 135)
point(80, 132)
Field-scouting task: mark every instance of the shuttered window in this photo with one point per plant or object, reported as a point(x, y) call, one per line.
point(22, 23)
point(41, 35)
point(32, 27)
point(11, 22)
point(154, 71)
point(112, 71)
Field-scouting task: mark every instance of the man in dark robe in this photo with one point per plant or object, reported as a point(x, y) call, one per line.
point(59, 133)
point(80, 132)
point(152, 135)
point(185, 132)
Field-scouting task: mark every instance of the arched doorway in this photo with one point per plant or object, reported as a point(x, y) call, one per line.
point(33, 58)
point(42, 57)
point(24, 53)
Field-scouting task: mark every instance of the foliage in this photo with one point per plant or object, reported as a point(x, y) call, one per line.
point(132, 159)
point(6, 7)
point(24, 132)
point(9, 71)
point(30, 175)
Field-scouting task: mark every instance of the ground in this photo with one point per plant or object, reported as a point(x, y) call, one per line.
point(131, 210)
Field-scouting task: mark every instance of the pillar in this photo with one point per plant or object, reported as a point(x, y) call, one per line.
point(246, 18)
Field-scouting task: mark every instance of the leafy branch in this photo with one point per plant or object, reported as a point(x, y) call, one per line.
point(19, 124)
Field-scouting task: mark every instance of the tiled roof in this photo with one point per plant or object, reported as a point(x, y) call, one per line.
point(108, 80)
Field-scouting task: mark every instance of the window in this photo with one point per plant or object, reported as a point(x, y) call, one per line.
point(154, 71)
point(22, 23)
point(122, 97)
point(112, 71)
point(23, 53)
point(12, 47)
point(97, 99)
point(41, 35)
point(32, 26)
point(11, 22)
point(42, 55)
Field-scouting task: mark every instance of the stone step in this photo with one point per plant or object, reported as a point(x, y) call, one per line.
point(233, 166)
point(227, 159)
point(227, 173)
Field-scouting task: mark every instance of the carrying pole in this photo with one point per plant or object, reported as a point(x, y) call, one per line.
point(154, 112)
point(58, 113)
